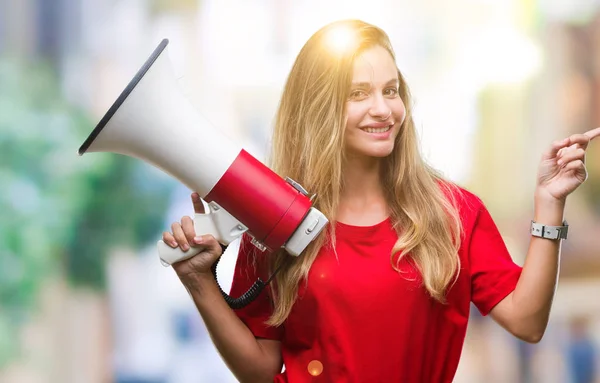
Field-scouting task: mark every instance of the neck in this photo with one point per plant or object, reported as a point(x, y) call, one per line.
point(363, 199)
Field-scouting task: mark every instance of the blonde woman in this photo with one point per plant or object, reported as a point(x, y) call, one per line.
point(384, 294)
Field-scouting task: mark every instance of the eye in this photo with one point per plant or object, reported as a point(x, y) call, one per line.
point(358, 94)
point(391, 92)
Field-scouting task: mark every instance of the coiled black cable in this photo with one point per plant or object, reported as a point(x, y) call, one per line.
point(249, 296)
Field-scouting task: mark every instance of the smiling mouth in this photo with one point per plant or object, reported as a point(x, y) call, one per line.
point(369, 129)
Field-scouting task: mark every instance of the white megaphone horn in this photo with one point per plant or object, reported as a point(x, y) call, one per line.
point(153, 121)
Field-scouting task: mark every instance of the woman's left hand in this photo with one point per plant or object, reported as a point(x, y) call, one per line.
point(562, 168)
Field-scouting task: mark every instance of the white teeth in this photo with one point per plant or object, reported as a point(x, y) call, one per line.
point(377, 130)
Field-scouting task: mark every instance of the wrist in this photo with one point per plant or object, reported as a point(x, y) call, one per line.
point(547, 209)
point(197, 281)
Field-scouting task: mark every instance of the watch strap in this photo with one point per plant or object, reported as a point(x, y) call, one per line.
point(549, 232)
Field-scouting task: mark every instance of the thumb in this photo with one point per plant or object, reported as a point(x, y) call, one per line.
point(210, 244)
point(198, 204)
point(552, 152)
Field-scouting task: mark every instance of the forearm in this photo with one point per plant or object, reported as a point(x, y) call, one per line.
point(235, 342)
point(533, 295)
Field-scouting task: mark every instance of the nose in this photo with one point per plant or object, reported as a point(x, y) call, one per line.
point(379, 108)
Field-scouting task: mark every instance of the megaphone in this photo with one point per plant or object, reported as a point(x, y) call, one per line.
point(153, 121)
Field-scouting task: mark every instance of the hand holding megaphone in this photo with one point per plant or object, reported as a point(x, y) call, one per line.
point(217, 222)
point(184, 235)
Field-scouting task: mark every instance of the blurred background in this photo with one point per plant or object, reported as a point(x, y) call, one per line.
point(83, 297)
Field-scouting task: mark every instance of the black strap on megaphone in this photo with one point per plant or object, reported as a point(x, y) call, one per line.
point(250, 295)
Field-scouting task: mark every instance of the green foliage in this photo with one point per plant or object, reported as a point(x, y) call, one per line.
point(59, 211)
point(125, 207)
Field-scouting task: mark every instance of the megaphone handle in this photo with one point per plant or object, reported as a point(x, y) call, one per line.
point(224, 227)
point(217, 222)
point(203, 224)
point(169, 255)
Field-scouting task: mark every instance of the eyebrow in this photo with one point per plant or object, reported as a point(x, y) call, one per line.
point(368, 84)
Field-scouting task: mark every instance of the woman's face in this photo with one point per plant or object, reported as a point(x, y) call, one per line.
point(374, 110)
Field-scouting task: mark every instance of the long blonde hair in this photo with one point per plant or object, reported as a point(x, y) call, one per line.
point(308, 146)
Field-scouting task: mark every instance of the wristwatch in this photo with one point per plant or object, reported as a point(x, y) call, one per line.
point(549, 232)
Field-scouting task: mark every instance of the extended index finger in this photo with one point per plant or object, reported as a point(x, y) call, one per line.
point(197, 202)
point(591, 134)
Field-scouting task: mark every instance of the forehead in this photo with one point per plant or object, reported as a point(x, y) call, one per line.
point(374, 65)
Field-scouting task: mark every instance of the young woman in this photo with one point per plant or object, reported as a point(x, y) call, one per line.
point(384, 294)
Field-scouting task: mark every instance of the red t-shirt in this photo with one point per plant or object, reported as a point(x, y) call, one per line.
point(359, 320)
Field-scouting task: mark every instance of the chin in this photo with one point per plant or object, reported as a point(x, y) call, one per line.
point(371, 151)
point(380, 152)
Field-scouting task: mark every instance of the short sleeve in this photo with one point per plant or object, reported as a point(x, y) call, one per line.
point(494, 275)
point(248, 268)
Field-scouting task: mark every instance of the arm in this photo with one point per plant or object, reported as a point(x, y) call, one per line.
point(525, 312)
point(249, 359)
